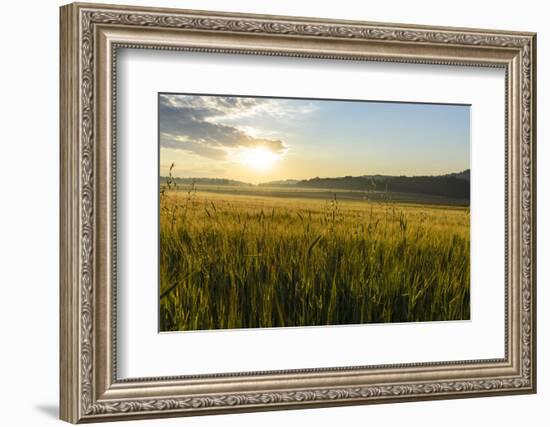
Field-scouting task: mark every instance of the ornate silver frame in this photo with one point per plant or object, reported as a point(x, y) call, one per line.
point(90, 36)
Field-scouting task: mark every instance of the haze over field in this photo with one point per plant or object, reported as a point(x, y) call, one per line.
point(443, 189)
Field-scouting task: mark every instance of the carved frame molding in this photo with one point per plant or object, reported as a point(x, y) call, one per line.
point(90, 36)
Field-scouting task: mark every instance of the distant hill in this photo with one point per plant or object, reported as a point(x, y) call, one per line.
point(207, 181)
point(280, 183)
point(455, 185)
point(461, 175)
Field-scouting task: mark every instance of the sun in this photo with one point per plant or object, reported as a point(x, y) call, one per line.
point(257, 158)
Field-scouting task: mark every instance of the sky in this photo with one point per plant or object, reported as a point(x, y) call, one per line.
point(256, 140)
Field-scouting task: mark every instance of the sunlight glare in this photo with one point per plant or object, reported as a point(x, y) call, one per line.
point(258, 158)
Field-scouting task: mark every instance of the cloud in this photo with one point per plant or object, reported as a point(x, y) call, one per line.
point(202, 124)
point(178, 143)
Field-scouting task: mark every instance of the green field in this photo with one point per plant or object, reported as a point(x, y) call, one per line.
point(234, 258)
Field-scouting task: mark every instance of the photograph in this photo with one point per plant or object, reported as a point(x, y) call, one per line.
point(288, 212)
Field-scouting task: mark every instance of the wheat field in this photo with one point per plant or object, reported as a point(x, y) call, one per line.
point(255, 261)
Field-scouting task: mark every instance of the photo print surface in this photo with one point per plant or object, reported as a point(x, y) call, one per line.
point(286, 212)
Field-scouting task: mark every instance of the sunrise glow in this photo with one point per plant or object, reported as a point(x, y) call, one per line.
point(257, 158)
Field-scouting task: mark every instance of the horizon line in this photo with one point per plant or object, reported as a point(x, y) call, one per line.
point(318, 177)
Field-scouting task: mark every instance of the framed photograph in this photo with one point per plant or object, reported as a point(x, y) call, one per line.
point(266, 212)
